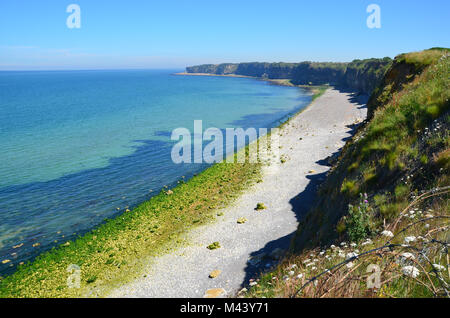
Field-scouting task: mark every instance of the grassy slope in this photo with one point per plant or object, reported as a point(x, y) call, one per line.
point(401, 152)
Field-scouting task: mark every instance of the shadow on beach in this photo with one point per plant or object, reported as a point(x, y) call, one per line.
point(300, 205)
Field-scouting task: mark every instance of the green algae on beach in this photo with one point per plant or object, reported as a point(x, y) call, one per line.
point(116, 251)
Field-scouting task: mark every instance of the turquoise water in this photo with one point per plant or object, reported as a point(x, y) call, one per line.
point(81, 146)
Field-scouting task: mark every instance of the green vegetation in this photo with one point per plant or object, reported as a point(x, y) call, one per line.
point(396, 157)
point(117, 250)
point(416, 269)
point(357, 222)
point(386, 157)
point(403, 150)
point(318, 91)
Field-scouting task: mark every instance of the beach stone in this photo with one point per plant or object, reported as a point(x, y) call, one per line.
point(213, 246)
point(242, 220)
point(214, 293)
point(243, 290)
point(260, 206)
point(215, 273)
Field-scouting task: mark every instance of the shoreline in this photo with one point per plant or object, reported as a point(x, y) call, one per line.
point(280, 82)
point(316, 90)
point(79, 249)
point(121, 239)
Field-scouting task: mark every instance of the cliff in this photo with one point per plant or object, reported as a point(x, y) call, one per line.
point(385, 201)
point(412, 98)
point(360, 75)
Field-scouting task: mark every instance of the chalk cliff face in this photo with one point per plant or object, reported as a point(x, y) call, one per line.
point(365, 75)
point(360, 75)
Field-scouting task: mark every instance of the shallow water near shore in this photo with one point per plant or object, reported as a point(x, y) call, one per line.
point(82, 146)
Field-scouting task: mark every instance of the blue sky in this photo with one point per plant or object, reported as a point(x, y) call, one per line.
point(177, 33)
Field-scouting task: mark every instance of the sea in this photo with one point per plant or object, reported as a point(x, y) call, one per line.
point(79, 147)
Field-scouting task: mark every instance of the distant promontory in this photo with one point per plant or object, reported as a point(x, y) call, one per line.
point(359, 75)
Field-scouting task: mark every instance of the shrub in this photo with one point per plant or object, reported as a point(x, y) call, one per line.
point(401, 191)
point(349, 187)
point(358, 222)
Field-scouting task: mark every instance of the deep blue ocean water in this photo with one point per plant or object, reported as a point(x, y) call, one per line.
point(78, 147)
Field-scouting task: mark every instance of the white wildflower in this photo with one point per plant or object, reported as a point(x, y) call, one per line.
point(291, 273)
point(353, 244)
point(306, 261)
point(349, 265)
point(351, 255)
point(407, 255)
point(438, 267)
point(367, 242)
point(299, 276)
point(410, 239)
point(410, 271)
point(253, 283)
point(387, 233)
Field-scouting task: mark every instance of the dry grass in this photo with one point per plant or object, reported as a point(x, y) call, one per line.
point(334, 272)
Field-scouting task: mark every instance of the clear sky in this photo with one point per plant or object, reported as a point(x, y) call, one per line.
point(177, 33)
